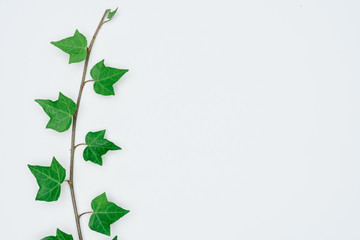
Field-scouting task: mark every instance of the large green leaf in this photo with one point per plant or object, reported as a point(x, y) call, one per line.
point(60, 235)
point(49, 180)
point(59, 111)
point(97, 146)
point(105, 77)
point(75, 46)
point(105, 214)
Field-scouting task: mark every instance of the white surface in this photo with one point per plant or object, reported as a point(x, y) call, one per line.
point(238, 119)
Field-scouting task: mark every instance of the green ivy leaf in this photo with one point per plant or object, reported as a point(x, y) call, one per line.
point(115, 238)
point(59, 111)
point(75, 46)
point(97, 146)
point(111, 14)
point(105, 214)
point(60, 235)
point(105, 77)
point(49, 180)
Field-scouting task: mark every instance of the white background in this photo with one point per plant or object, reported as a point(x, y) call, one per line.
point(239, 120)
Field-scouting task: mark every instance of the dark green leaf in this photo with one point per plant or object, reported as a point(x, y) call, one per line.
point(97, 146)
point(75, 46)
point(60, 235)
point(49, 180)
point(115, 238)
point(105, 77)
point(105, 214)
point(59, 111)
point(111, 14)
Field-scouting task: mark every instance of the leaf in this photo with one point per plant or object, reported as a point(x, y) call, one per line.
point(115, 238)
point(105, 214)
point(60, 235)
point(111, 14)
point(105, 77)
point(59, 111)
point(49, 180)
point(75, 46)
point(97, 146)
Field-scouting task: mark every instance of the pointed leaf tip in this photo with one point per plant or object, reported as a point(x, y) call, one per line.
point(49, 180)
point(59, 111)
point(97, 146)
point(60, 235)
point(111, 14)
point(75, 46)
point(105, 77)
point(105, 214)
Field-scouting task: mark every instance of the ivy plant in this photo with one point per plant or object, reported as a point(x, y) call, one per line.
point(63, 114)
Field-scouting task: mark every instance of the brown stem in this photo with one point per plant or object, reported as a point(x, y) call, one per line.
point(89, 81)
point(80, 144)
point(85, 213)
point(73, 130)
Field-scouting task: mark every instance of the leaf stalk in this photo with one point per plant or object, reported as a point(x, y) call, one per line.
point(80, 144)
point(89, 81)
point(85, 213)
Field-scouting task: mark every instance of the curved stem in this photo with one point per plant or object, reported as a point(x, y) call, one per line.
point(73, 130)
point(89, 81)
point(85, 213)
point(80, 144)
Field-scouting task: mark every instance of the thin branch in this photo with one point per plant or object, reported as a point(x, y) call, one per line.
point(73, 130)
point(80, 144)
point(85, 213)
point(89, 81)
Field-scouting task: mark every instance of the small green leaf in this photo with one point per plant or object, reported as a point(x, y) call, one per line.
point(75, 46)
point(105, 77)
point(59, 111)
point(111, 14)
point(60, 235)
point(115, 238)
point(97, 146)
point(49, 180)
point(105, 214)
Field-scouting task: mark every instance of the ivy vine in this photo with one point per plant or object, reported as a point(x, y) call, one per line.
point(63, 114)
